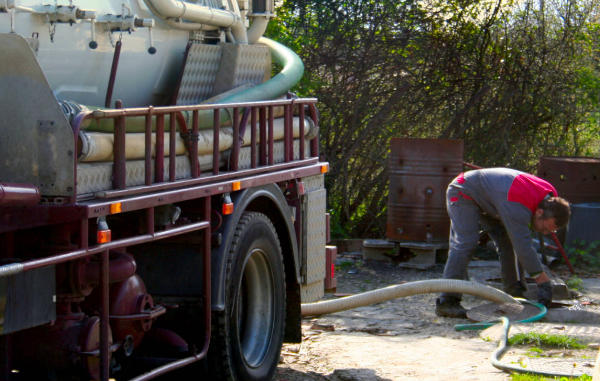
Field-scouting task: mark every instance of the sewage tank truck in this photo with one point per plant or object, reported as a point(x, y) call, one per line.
point(162, 209)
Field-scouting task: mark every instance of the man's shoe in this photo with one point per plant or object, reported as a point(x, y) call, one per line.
point(449, 308)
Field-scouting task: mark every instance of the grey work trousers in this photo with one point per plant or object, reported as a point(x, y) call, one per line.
point(466, 222)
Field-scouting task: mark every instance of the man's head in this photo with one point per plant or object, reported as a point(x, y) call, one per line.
point(551, 214)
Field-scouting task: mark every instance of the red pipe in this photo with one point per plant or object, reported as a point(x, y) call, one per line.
point(119, 166)
point(216, 130)
point(12, 194)
point(113, 74)
point(472, 166)
point(562, 252)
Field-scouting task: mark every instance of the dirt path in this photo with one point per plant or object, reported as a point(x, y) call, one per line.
point(396, 340)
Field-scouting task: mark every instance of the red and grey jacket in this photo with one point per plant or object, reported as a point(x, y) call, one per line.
point(512, 197)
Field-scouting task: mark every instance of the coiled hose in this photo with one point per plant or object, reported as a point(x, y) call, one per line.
point(503, 346)
point(484, 325)
point(439, 285)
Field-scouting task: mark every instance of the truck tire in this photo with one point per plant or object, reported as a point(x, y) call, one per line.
point(247, 336)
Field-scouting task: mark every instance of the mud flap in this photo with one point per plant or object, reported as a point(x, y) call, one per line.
point(37, 143)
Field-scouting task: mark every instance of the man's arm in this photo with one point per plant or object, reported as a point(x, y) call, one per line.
point(517, 227)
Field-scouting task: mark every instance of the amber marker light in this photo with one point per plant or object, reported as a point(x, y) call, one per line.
point(236, 186)
point(228, 208)
point(227, 205)
point(103, 234)
point(324, 168)
point(117, 207)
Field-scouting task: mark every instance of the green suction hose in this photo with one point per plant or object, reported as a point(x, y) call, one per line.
point(290, 74)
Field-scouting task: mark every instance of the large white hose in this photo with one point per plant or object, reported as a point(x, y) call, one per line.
point(407, 289)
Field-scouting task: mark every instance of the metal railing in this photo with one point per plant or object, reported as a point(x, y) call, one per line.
point(259, 116)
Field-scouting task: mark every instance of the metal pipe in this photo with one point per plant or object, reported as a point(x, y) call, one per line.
point(194, 145)
point(263, 135)
point(270, 136)
point(216, 178)
point(235, 146)
point(314, 143)
point(200, 14)
point(301, 142)
point(253, 137)
point(257, 28)
point(15, 268)
point(104, 317)
point(119, 165)
point(159, 149)
point(172, 137)
point(13, 194)
point(113, 74)
point(148, 149)
point(216, 152)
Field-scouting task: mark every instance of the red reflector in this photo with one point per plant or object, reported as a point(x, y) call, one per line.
point(332, 271)
point(228, 208)
point(103, 236)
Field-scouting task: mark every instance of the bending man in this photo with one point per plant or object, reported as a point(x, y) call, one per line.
point(506, 202)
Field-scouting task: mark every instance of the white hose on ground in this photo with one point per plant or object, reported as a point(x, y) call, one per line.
point(407, 289)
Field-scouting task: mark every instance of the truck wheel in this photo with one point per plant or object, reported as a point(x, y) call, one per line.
point(247, 336)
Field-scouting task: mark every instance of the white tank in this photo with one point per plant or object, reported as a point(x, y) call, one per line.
point(77, 62)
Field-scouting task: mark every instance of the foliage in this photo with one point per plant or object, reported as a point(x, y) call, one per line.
point(545, 340)
point(584, 255)
point(515, 81)
point(575, 283)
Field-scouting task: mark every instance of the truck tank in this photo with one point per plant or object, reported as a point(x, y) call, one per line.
point(75, 42)
point(77, 56)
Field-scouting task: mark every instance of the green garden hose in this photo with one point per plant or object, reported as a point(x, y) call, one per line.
point(503, 346)
point(484, 325)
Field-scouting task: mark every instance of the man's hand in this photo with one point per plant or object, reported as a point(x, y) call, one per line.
point(544, 293)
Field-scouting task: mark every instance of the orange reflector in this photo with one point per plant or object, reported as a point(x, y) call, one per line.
point(117, 207)
point(103, 236)
point(324, 168)
point(228, 208)
point(236, 185)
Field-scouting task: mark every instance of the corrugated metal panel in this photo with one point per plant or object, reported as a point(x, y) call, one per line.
point(241, 65)
point(314, 202)
point(420, 171)
point(577, 179)
point(198, 81)
point(315, 235)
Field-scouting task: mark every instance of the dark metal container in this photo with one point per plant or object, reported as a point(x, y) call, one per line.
point(577, 179)
point(420, 171)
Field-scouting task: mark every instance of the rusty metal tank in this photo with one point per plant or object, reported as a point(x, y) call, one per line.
point(420, 171)
point(577, 179)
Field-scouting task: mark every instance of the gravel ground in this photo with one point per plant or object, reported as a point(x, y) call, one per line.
point(404, 339)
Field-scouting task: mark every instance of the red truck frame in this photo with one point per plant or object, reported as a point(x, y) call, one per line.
point(73, 248)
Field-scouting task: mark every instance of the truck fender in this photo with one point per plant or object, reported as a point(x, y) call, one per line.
point(267, 199)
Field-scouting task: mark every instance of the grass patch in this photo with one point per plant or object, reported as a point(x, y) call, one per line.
point(575, 283)
point(535, 352)
point(545, 340)
point(533, 377)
